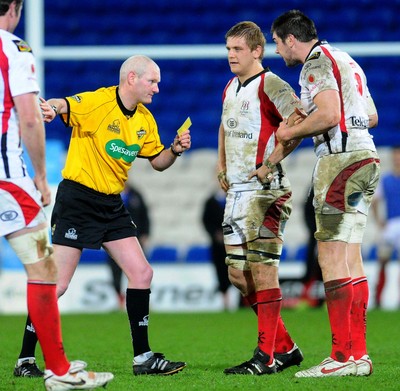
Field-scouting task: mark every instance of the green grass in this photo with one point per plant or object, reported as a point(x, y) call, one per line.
point(208, 342)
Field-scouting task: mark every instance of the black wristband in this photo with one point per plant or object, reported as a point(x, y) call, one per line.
point(54, 108)
point(174, 152)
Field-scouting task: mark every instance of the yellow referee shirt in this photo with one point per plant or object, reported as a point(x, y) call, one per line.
point(106, 138)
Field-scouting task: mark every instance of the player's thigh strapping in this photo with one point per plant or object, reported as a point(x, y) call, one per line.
point(251, 216)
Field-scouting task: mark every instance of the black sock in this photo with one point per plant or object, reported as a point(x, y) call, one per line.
point(137, 306)
point(29, 341)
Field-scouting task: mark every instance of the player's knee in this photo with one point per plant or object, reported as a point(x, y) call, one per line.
point(148, 275)
point(234, 276)
point(241, 279)
point(139, 274)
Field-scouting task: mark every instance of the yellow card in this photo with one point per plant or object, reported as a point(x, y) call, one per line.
point(186, 125)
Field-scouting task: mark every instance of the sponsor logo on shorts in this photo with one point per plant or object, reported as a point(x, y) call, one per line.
point(8, 215)
point(145, 321)
point(119, 150)
point(71, 234)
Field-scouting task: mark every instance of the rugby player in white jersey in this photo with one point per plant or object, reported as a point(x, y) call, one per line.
point(23, 221)
point(340, 112)
point(259, 196)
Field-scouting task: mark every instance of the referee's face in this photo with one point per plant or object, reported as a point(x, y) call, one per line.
point(146, 85)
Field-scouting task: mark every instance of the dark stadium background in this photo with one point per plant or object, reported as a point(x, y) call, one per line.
point(194, 87)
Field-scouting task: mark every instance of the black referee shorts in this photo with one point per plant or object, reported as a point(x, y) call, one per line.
point(85, 218)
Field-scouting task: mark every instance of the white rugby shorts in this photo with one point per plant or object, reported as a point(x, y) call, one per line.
point(20, 205)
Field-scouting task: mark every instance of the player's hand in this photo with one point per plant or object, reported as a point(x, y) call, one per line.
point(44, 189)
point(48, 112)
point(263, 174)
point(300, 116)
point(183, 142)
point(283, 132)
point(223, 181)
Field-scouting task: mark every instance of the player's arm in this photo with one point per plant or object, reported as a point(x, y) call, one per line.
point(33, 138)
point(326, 116)
point(52, 107)
point(373, 120)
point(221, 165)
point(372, 112)
point(280, 151)
point(168, 156)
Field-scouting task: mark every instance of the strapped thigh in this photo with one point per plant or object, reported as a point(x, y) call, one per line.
point(32, 247)
point(236, 258)
point(264, 252)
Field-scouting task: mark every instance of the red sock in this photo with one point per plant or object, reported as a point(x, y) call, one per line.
point(339, 296)
point(283, 341)
point(252, 301)
point(358, 318)
point(269, 302)
point(43, 310)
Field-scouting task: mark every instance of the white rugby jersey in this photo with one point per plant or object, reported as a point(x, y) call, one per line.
point(17, 67)
point(328, 68)
point(251, 115)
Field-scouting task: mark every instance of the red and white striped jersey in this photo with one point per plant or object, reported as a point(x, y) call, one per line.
point(328, 68)
point(251, 115)
point(18, 77)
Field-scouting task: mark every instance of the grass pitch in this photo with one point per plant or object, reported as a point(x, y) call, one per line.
point(208, 342)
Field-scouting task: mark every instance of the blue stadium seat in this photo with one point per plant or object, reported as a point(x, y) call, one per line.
point(194, 87)
point(55, 159)
point(197, 254)
point(372, 253)
point(301, 253)
point(93, 256)
point(284, 255)
point(163, 254)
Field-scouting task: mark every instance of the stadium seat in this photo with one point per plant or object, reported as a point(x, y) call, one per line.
point(93, 256)
point(284, 255)
point(197, 254)
point(194, 87)
point(371, 254)
point(301, 253)
point(163, 254)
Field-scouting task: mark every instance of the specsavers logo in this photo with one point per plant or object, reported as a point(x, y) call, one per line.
point(119, 150)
